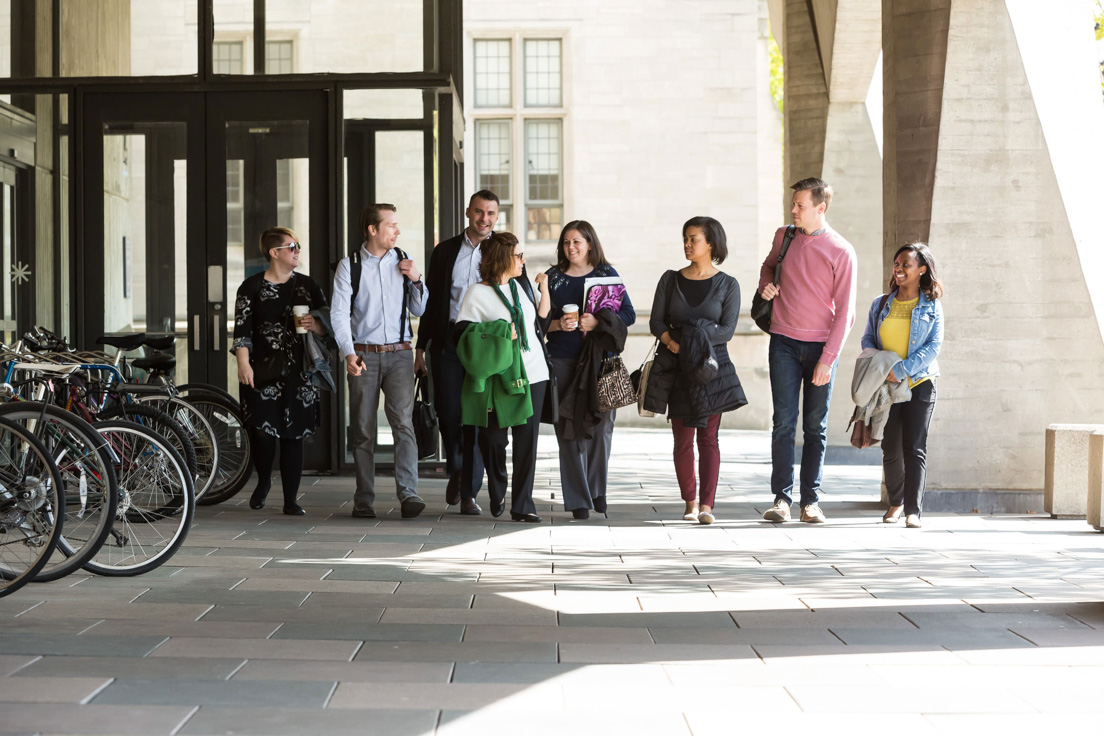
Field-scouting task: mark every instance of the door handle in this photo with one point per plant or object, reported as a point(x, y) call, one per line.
point(195, 333)
point(215, 342)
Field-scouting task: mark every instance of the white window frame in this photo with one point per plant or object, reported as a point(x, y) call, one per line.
point(518, 114)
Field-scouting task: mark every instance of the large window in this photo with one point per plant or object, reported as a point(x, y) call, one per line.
point(227, 57)
point(519, 107)
point(278, 57)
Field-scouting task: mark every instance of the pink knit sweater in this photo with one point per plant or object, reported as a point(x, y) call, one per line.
point(816, 298)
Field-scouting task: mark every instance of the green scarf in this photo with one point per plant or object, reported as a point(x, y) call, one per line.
point(517, 316)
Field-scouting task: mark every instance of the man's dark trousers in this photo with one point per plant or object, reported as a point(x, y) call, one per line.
point(448, 381)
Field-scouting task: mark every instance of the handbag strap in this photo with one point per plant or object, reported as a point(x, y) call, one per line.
point(881, 306)
point(791, 230)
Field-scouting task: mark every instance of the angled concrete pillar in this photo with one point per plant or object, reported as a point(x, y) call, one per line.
point(992, 114)
point(830, 53)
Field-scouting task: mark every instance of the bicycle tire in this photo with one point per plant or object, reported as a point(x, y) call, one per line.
point(199, 431)
point(159, 422)
point(30, 501)
point(79, 452)
point(189, 388)
point(156, 501)
point(235, 448)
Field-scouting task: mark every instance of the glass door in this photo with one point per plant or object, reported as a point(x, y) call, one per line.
point(140, 267)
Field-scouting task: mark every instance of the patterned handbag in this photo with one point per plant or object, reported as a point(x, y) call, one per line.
point(615, 387)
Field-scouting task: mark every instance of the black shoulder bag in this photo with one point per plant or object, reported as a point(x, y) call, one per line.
point(760, 307)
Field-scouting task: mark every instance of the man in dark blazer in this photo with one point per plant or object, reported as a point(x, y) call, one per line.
point(453, 267)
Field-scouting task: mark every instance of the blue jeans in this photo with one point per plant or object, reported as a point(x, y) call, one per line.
point(791, 367)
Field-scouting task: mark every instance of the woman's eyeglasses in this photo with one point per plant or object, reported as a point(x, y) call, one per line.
point(520, 256)
point(289, 246)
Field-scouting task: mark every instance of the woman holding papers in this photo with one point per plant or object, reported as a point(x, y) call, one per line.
point(602, 313)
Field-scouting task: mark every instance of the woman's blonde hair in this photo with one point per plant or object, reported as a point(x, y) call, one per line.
point(272, 237)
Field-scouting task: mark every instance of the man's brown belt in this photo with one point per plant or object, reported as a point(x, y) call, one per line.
point(390, 348)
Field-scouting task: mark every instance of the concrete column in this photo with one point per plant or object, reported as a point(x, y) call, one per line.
point(1011, 224)
point(830, 53)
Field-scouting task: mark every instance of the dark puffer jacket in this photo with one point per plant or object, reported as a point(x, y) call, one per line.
point(712, 322)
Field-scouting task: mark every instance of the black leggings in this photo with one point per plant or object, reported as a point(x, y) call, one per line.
point(905, 448)
point(291, 463)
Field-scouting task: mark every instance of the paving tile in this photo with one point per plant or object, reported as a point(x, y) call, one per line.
point(978, 699)
point(712, 723)
point(148, 667)
point(250, 721)
point(204, 629)
point(644, 675)
point(490, 720)
point(50, 689)
point(372, 631)
point(97, 610)
point(258, 649)
point(321, 586)
point(393, 600)
point(245, 693)
point(468, 616)
point(9, 663)
point(521, 697)
point(113, 720)
point(457, 652)
point(649, 620)
point(375, 672)
point(104, 646)
point(969, 639)
point(295, 613)
point(641, 654)
point(561, 634)
point(703, 636)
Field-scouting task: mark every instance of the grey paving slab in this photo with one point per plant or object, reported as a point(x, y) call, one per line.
point(536, 617)
point(561, 634)
point(93, 609)
point(112, 720)
point(387, 600)
point(642, 654)
point(104, 646)
point(649, 620)
point(366, 671)
point(418, 651)
point(643, 675)
point(160, 668)
point(707, 636)
point(51, 689)
point(365, 631)
point(467, 723)
point(287, 614)
point(258, 648)
point(245, 693)
point(452, 696)
point(257, 599)
point(254, 721)
point(202, 629)
point(969, 639)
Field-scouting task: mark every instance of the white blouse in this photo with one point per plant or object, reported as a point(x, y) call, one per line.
point(481, 304)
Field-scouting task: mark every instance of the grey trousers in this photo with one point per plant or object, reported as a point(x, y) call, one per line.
point(393, 373)
point(584, 464)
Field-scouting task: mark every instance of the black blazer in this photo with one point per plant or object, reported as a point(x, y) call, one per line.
point(433, 327)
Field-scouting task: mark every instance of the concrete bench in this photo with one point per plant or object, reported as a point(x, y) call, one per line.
point(1065, 489)
point(1095, 507)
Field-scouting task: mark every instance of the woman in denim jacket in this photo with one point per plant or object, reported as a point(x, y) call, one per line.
point(911, 325)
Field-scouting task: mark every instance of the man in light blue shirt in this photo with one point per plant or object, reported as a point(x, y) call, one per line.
point(373, 333)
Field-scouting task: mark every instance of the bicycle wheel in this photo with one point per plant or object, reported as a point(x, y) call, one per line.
point(89, 490)
point(199, 431)
point(161, 423)
point(30, 503)
point(156, 504)
point(188, 389)
point(235, 461)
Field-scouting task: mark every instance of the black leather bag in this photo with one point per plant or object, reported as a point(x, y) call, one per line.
point(760, 307)
point(425, 419)
point(270, 369)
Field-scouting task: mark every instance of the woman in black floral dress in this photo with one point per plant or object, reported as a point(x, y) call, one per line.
point(277, 400)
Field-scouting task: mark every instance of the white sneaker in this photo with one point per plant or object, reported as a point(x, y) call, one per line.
point(780, 511)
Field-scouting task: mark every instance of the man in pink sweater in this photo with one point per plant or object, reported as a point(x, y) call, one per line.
point(814, 308)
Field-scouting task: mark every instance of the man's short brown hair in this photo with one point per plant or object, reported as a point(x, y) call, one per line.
point(496, 256)
point(370, 215)
point(818, 189)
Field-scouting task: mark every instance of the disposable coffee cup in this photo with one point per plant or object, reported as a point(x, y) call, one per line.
point(571, 311)
point(300, 311)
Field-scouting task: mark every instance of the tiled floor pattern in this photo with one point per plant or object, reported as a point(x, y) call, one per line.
point(638, 623)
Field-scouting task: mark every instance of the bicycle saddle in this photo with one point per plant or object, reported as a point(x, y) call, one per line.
point(123, 342)
point(158, 362)
point(160, 342)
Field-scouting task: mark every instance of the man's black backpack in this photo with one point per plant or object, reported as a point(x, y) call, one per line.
point(761, 308)
point(355, 267)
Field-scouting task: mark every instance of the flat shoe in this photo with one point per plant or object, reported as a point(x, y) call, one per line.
point(891, 516)
point(294, 509)
point(581, 513)
point(600, 504)
point(452, 490)
point(912, 521)
point(529, 518)
point(705, 517)
point(690, 516)
point(470, 508)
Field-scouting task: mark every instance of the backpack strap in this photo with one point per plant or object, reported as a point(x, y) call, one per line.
point(354, 276)
point(406, 296)
point(791, 230)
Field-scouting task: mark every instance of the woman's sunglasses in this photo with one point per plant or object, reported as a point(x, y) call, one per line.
point(289, 246)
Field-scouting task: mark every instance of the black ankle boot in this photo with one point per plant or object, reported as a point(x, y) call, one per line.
point(257, 500)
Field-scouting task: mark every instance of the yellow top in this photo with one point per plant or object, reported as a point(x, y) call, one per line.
point(896, 328)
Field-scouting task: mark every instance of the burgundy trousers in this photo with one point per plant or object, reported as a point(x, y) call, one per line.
point(709, 459)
